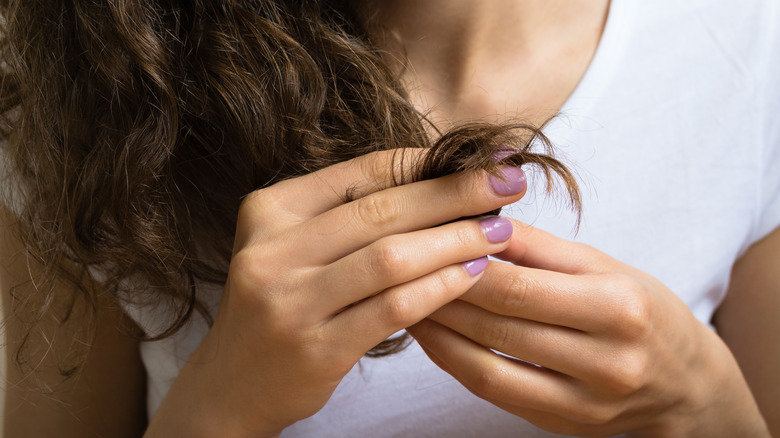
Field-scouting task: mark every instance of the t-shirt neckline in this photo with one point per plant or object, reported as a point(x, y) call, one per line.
point(605, 60)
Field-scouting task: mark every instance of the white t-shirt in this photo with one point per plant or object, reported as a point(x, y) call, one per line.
point(675, 134)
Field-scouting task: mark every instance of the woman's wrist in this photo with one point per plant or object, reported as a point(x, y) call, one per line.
point(720, 403)
point(195, 406)
point(175, 419)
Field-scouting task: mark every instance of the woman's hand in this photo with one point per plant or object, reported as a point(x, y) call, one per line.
point(596, 347)
point(315, 282)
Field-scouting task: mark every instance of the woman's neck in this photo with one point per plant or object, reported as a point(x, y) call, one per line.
point(469, 59)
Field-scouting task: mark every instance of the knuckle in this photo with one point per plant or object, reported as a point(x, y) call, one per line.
point(465, 186)
point(259, 211)
point(246, 269)
point(500, 333)
point(386, 259)
point(595, 415)
point(256, 282)
point(399, 310)
point(515, 295)
point(592, 413)
point(629, 373)
point(465, 237)
point(631, 317)
point(252, 198)
point(375, 165)
point(377, 210)
point(267, 199)
point(449, 280)
point(636, 320)
point(491, 383)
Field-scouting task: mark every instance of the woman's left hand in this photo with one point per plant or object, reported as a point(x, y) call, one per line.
point(595, 347)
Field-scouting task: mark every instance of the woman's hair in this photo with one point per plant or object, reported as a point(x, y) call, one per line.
point(134, 128)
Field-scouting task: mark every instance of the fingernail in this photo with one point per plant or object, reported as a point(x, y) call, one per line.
point(496, 228)
point(503, 153)
point(474, 267)
point(510, 181)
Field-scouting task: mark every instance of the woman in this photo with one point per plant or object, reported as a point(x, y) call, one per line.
point(674, 97)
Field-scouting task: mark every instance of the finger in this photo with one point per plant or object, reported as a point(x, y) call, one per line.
point(545, 420)
point(567, 351)
point(590, 303)
point(299, 199)
point(494, 377)
point(411, 207)
point(561, 425)
point(319, 191)
point(401, 258)
point(371, 321)
point(535, 248)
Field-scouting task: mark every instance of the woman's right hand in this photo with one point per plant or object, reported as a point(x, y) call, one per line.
point(315, 282)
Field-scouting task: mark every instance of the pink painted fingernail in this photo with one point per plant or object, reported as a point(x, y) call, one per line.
point(510, 181)
point(496, 228)
point(503, 153)
point(474, 267)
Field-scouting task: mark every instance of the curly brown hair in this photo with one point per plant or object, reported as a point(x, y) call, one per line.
point(133, 128)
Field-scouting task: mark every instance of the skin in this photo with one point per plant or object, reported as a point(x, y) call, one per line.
point(620, 351)
point(307, 268)
point(472, 60)
point(747, 321)
point(307, 309)
point(602, 372)
point(108, 396)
